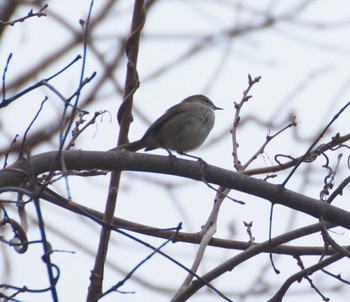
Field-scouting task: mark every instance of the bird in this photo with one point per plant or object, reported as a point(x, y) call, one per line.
point(182, 128)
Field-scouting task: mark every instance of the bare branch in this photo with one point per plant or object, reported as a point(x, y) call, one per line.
point(39, 13)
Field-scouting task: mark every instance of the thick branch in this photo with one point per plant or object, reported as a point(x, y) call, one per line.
point(196, 238)
point(15, 174)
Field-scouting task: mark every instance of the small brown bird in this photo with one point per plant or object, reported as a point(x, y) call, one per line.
point(181, 128)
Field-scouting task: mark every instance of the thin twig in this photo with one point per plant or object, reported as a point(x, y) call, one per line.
point(269, 138)
point(43, 82)
point(238, 106)
point(278, 297)
point(39, 13)
point(335, 141)
point(4, 77)
point(30, 125)
point(335, 117)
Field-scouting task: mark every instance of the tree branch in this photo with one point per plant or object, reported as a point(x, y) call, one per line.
point(16, 174)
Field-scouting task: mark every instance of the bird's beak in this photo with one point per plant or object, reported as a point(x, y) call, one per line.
point(218, 108)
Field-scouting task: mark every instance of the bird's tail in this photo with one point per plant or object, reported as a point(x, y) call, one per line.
point(134, 146)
